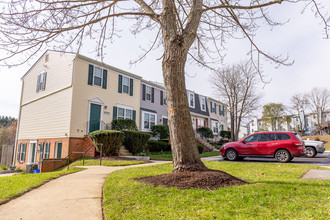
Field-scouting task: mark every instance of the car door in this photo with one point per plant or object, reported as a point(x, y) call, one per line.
point(266, 144)
point(248, 145)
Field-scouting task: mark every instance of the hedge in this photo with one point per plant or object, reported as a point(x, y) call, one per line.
point(205, 132)
point(225, 134)
point(136, 141)
point(160, 131)
point(123, 124)
point(158, 146)
point(111, 140)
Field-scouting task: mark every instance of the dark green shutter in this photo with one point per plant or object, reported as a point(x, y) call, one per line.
point(47, 150)
point(211, 107)
point(114, 112)
point(215, 108)
point(18, 152)
point(120, 83)
point(105, 76)
point(41, 151)
point(90, 74)
point(24, 152)
point(59, 150)
point(131, 87)
point(161, 97)
point(134, 115)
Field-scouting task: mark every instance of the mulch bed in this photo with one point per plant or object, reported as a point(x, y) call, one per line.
point(210, 179)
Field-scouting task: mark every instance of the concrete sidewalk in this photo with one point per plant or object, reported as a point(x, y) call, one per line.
point(75, 196)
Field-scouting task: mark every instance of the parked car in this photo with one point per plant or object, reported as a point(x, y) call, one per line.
point(313, 148)
point(280, 145)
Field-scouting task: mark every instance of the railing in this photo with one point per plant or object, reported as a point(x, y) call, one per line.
point(97, 125)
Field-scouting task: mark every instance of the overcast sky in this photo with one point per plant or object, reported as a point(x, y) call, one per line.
point(302, 39)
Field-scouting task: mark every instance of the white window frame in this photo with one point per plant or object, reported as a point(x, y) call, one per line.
point(30, 152)
point(148, 93)
point(94, 75)
point(125, 108)
point(42, 82)
point(143, 117)
point(193, 100)
point(203, 99)
point(123, 84)
point(215, 126)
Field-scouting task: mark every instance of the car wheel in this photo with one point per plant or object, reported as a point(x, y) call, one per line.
point(231, 155)
point(282, 156)
point(310, 152)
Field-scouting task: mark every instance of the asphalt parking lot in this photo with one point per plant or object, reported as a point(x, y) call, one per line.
point(319, 159)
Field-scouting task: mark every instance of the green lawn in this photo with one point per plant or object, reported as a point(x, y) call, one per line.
point(275, 192)
point(13, 186)
point(93, 162)
point(168, 156)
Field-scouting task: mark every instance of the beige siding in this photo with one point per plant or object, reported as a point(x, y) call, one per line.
point(83, 93)
point(47, 117)
point(59, 75)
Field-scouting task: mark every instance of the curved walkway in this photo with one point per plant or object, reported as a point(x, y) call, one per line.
point(74, 196)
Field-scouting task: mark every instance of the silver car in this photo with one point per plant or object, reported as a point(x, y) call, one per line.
point(313, 148)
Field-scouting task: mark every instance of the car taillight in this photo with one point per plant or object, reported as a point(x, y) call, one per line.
point(298, 144)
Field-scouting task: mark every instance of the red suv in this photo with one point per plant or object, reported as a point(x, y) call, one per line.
point(280, 145)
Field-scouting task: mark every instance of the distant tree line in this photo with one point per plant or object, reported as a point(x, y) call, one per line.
point(7, 130)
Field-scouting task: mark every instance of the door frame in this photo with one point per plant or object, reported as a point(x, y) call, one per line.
point(95, 101)
point(30, 152)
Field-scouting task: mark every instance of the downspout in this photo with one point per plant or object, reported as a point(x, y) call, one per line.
point(18, 122)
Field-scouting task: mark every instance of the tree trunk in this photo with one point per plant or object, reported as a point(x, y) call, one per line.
point(183, 142)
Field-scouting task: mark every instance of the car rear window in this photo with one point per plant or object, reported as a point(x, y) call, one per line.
point(283, 137)
point(298, 136)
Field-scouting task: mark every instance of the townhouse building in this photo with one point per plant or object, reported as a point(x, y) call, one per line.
point(65, 96)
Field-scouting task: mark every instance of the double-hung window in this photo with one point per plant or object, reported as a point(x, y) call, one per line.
point(213, 107)
point(47, 150)
point(221, 110)
point(191, 100)
point(203, 104)
point(215, 127)
point(149, 120)
point(125, 85)
point(41, 81)
point(124, 113)
point(148, 93)
point(97, 76)
point(21, 152)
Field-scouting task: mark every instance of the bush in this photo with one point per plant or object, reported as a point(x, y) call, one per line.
point(158, 146)
point(160, 131)
point(136, 141)
point(317, 139)
point(3, 167)
point(123, 125)
point(205, 132)
point(111, 140)
point(200, 148)
point(225, 134)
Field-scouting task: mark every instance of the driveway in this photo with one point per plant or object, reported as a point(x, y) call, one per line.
point(320, 160)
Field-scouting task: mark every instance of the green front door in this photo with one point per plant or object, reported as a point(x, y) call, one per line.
point(59, 150)
point(94, 118)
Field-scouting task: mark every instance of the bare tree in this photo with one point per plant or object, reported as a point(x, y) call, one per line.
point(299, 104)
point(319, 99)
point(182, 28)
point(236, 86)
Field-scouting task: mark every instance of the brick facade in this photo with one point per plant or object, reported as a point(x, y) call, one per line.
point(74, 146)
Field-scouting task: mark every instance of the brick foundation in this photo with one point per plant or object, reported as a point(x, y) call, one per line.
point(74, 146)
point(48, 165)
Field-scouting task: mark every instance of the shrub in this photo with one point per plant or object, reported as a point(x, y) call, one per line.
point(158, 146)
point(123, 125)
point(160, 131)
point(225, 134)
point(136, 141)
point(200, 148)
point(111, 140)
point(205, 132)
point(3, 167)
point(317, 139)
